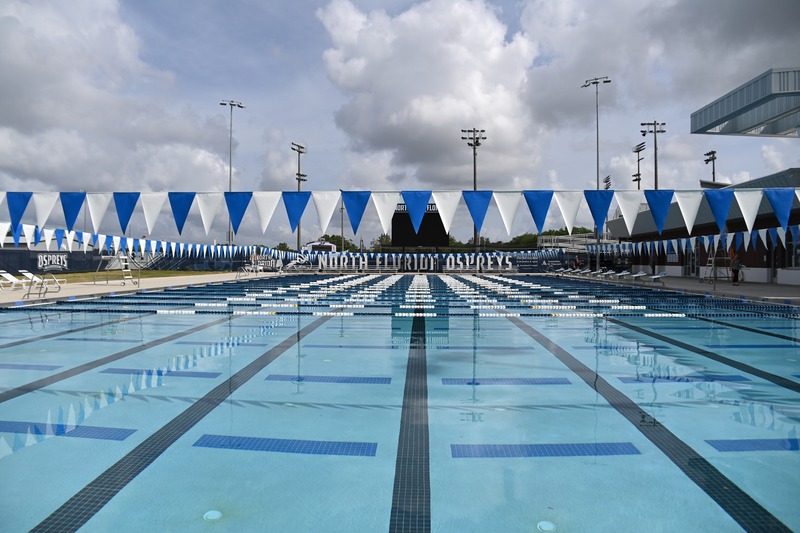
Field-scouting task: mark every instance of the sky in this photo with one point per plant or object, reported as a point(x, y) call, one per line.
point(106, 95)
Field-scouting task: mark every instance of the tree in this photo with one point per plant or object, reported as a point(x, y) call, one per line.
point(377, 244)
point(284, 247)
point(349, 246)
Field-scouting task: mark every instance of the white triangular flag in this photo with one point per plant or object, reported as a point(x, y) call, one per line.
point(4, 227)
point(569, 202)
point(325, 202)
point(782, 236)
point(507, 203)
point(87, 238)
point(266, 201)
point(747, 236)
point(98, 203)
point(446, 203)
point(152, 202)
point(629, 202)
point(763, 234)
point(44, 202)
point(729, 240)
point(208, 202)
point(689, 202)
point(749, 201)
point(385, 203)
point(29, 230)
point(70, 236)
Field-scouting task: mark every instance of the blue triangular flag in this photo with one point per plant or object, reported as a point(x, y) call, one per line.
point(180, 202)
point(16, 234)
point(739, 240)
point(123, 245)
point(237, 204)
point(781, 202)
point(477, 203)
point(17, 203)
point(38, 236)
point(773, 233)
point(754, 239)
point(79, 237)
point(355, 202)
point(539, 204)
point(125, 202)
point(416, 205)
point(295, 203)
point(71, 203)
point(599, 202)
point(719, 200)
point(795, 233)
point(59, 238)
point(659, 201)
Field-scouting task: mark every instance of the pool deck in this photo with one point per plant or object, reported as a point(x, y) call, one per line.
point(767, 292)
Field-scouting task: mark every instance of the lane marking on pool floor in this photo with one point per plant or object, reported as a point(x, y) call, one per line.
point(411, 497)
point(747, 512)
point(81, 507)
point(85, 367)
point(763, 374)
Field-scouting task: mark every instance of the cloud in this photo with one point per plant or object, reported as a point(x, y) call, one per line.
point(772, 157)
point(416, 79)
point(79, 108)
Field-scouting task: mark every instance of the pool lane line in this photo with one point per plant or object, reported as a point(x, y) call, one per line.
point(745, 328)
point(88, 501)
point(745, 510)
point(411, 497)
point(10, 394)
point(84, 328)
point(763, 374)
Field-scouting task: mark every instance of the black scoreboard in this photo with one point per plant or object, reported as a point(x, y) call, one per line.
point(431, 230)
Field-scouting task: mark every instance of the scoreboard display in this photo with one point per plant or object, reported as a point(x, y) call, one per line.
point(431, 230)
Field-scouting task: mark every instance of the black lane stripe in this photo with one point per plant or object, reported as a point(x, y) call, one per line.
point(751, 330)
point(66, 374)
point(411, 497)
point(747, 512)
point(773, 378)
point(60, 333)
point(88, 501)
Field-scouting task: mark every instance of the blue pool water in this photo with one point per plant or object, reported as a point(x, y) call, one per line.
point(401, 403)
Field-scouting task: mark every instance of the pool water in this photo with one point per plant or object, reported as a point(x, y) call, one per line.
point(401, 403)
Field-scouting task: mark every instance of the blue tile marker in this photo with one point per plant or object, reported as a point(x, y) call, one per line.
point(680, 379)
point(83, 432)
point(329, 379)
point(310, 447)
point(755, 445)
point(170, 373)
point(473, 451)
point(506, 381)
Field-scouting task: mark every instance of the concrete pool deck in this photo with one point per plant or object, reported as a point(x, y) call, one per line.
point(764, 292)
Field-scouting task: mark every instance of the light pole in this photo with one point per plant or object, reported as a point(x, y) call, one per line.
point(300, 179)
point(658, 127)
point(596, 83)
point(474, 138)
point(230, 162)
point(638, 149)
point(712, 158)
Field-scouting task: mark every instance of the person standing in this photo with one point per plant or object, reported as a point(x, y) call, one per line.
point(735, 266)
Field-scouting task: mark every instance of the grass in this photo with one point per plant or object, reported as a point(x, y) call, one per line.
point(81, 277)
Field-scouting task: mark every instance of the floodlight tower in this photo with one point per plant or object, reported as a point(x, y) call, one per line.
point(300, 149)
point(230, 162)
point(658, 127)
point(712, 158)
point(638, 149)
point(474, 138)
point(596, 82)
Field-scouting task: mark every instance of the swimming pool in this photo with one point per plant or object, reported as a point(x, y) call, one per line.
point(401, 403)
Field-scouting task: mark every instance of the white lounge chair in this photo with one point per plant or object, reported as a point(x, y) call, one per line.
point(12, 281)
point(33, 278)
